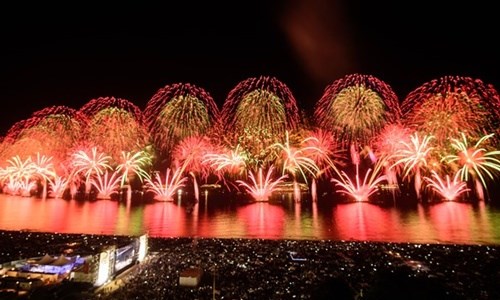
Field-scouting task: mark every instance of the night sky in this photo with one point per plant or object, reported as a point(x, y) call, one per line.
point(69, 54)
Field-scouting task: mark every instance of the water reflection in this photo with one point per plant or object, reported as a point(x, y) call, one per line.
point(460, 222)
point(366, 221)
point(441, 222)
point(165, 219)
point(262, 220)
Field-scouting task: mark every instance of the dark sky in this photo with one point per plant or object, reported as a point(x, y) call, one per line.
point(71, 53)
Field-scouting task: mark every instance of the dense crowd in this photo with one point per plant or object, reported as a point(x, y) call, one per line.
point(292, 269)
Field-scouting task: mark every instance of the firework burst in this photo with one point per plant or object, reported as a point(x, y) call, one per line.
point(322, 147)
point(179, 111)
point(259, 111)
point(355, 108)
point(295, 159)
point(58, 186)
point(52, 131)
point(133, 165)
point(476, 161)
point(165, 188)
point(261, 188)
point(413, 158)
point(190, 153)
point(89, 165)
point(357, 189)
point(448, 189)
point(115, 125)
point(106, 184)
point(446, 106)
point(227, 161)
point(391, 140)
point(18, 176)
point(43, 170)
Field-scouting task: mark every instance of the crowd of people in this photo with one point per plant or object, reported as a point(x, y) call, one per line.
point(291, 269)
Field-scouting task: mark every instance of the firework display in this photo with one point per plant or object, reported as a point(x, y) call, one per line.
point(441, 144)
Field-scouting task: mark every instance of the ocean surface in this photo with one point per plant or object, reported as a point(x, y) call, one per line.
point(282, 218)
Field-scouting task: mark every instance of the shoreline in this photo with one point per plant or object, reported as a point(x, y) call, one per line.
point(290, 269)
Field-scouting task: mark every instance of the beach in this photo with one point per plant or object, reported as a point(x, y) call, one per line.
point(285, 269)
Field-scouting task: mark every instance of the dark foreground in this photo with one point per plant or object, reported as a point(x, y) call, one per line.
point(285, 269)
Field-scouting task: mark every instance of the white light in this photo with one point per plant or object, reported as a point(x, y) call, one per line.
point(104, 269)
point(143, 247)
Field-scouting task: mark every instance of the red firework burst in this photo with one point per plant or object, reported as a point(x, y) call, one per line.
point(96, 105)
point(49, 113)
point(51, 131)
point(446, 106)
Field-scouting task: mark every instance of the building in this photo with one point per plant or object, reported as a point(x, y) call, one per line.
point(83, 266)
